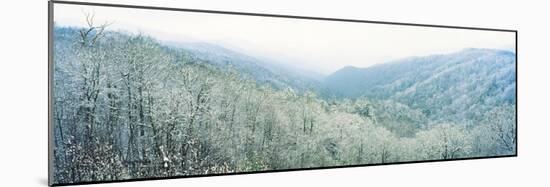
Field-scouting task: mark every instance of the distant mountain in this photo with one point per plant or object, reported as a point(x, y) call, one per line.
point(460, 83)
point(262, 70)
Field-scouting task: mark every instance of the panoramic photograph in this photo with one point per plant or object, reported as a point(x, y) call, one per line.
point(145, 94)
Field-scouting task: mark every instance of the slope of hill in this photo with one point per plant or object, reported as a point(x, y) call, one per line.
point(261, 70)
point(460, 84)
point(264, 72)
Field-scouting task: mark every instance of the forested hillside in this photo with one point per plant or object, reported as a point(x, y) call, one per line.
point(127, 106)
point(457, 87)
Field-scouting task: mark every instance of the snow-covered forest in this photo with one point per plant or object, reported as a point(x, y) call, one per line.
point(129, 106)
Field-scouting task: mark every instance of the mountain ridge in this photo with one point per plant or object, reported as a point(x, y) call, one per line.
point(459, 83)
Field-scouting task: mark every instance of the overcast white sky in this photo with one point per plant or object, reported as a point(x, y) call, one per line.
point(320, 46)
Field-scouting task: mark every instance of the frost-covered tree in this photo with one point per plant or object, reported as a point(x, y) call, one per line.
point(444, 141)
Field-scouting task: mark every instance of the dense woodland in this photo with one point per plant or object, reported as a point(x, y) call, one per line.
point(128, 106)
